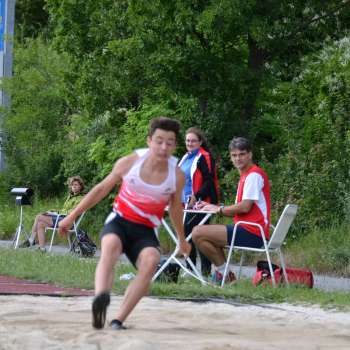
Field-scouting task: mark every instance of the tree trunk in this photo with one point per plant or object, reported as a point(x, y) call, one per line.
point(256, 60)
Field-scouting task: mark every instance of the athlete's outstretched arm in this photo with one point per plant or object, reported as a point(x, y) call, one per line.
point(176, 213)
point(98, 192)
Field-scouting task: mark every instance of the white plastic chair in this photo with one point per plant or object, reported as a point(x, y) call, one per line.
point(74, 229)
point(272, 246)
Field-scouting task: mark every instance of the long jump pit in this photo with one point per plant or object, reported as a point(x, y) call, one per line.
point(38, 320)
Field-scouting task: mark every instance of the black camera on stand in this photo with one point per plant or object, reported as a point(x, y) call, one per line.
point(23, 197)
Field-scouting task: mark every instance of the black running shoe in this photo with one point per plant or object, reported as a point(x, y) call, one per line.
point(117, 325)
point(99, 308)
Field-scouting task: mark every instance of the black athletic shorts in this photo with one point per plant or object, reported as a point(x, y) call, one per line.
point(134, 237)
point(244, 238)
point(54, 218)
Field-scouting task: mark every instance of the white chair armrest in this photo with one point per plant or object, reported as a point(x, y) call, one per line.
point(251, 224)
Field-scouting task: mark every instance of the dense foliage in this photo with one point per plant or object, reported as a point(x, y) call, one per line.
point(34, 121)
point(93, 73)
point(314, 113)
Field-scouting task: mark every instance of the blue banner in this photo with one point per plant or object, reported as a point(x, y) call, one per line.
point(2, 24)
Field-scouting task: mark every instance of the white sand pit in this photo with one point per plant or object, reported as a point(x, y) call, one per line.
point(29, 322)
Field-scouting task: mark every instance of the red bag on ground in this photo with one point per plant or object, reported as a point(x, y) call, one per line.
point(295, 275)
point(300, 276)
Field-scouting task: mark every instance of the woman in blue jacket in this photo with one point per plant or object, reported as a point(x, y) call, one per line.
point(201, 184)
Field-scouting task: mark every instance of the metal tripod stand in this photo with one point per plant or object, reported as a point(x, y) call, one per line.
point(23, 195)
point(19, 230)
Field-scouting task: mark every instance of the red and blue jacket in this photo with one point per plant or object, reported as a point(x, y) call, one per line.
point(204, 178)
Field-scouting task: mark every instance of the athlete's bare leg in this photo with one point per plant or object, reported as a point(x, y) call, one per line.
point(111, 248)
point(146, 263)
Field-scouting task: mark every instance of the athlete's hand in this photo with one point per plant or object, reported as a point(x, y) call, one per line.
point(65, 225)
point(184, 248)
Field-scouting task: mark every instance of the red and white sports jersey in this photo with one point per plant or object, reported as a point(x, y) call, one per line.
point(254, 185)
point(143, 203)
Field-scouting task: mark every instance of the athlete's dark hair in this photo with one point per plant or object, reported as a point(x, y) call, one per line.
point(164, 123)
point(240, 143)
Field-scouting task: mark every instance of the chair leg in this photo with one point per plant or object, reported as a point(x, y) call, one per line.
point(271, 269)
point(283, 265)
point(52, 238)
point(227, 264)
point(54, 232)
point(240, 266)
point(229, 255)
point(69, 241)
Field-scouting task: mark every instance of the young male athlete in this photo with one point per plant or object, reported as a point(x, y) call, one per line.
point(150, 180)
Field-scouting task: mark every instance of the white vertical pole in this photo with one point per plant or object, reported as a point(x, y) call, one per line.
point(7, 20)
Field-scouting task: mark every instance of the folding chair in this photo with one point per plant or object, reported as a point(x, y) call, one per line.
point(194, 273)
point(74, 229)
point(271, 246)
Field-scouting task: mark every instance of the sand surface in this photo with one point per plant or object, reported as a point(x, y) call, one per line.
point(29, 322)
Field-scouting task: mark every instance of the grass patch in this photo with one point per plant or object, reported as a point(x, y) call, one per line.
point(66, 271)
point(70, 271)
point(324, 250)
point(244, 292)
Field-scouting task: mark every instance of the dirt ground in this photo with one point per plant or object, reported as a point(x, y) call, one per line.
point(41, 322)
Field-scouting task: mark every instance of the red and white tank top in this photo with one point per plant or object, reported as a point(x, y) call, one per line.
point(143, 203)
point(254, 185)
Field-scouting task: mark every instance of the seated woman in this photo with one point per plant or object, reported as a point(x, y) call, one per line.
point(201, 184)
point(48, 219)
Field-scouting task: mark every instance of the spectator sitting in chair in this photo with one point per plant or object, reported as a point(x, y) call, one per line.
point(252, 204)
point(48, 219)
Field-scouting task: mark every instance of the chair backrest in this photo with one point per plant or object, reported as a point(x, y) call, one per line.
point(283, 225)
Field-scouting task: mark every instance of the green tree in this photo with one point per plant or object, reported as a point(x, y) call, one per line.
point(313, 111)
point(34, 121)
point(31, 19)
point(224, 55)
point(99, 142)
point(215, 64)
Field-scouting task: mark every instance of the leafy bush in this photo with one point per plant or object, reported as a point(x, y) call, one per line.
point(313, 111)
point(33, 124)
point(324, 250)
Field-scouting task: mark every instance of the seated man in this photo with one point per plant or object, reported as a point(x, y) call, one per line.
point(252, 204)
